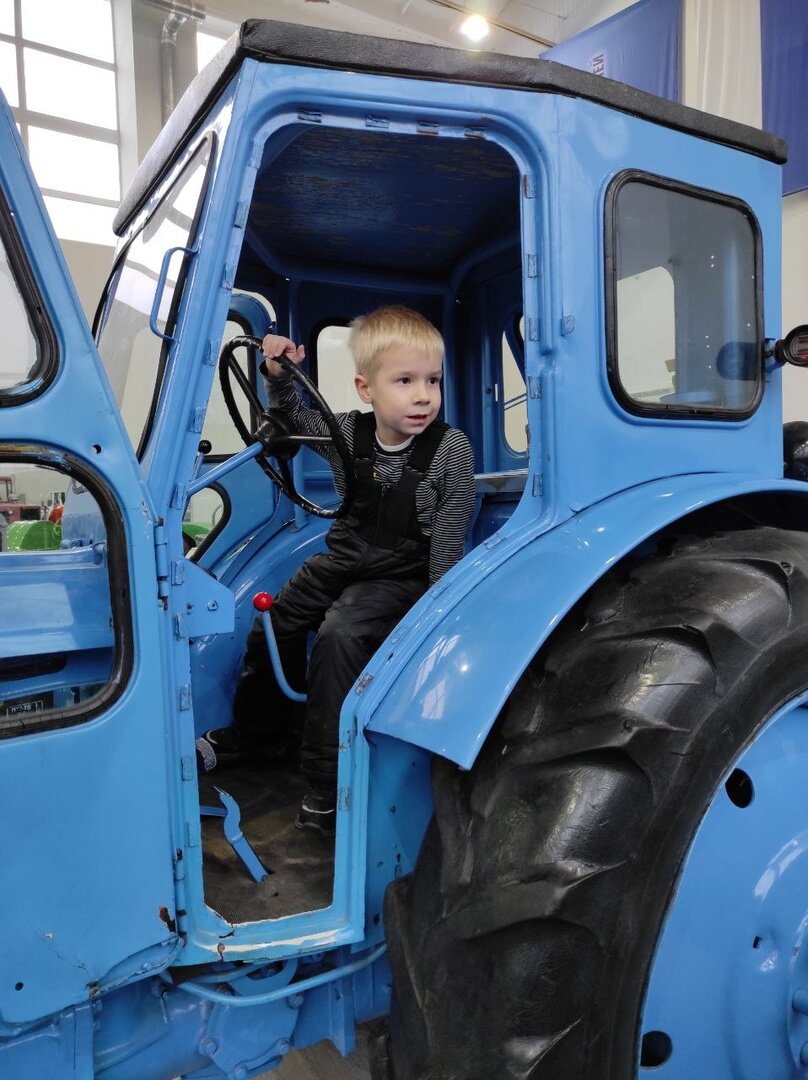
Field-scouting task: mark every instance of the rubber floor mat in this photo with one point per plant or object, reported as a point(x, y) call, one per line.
point(300, 862)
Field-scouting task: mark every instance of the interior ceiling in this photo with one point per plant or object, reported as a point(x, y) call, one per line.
point(520, 27)
point(400, 204)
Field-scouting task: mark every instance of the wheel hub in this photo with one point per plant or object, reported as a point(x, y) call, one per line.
point(728, 991)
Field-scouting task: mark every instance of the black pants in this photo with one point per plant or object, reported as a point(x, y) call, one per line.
point(352, 596)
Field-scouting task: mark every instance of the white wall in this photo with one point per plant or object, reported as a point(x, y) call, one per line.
point(588, 14)
point(795, 297)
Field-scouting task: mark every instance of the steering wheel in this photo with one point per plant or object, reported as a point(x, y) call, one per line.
point(276, 433)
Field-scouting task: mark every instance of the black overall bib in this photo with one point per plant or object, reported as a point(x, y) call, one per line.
point(375, 568)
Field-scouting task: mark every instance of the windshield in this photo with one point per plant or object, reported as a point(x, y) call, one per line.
point(133, 354)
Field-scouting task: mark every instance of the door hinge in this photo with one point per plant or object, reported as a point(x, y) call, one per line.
point(534, 386)
point(532, 266)
point(242, 213)
point(538, 484)
point(161, 561)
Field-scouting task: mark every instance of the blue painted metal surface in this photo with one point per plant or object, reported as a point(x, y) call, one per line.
point(277, 667)
point(440, 684)
point(111, 806)
point(90, 870)
point(733, 954)
point(77, 603)
point(231, 814)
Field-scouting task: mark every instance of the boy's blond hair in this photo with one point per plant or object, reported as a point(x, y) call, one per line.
point(385, 328)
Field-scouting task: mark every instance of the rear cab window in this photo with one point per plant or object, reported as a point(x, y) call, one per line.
point(334, 368)
point(684, 333)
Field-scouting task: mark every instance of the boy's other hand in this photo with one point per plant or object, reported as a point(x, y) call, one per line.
point(274, 345)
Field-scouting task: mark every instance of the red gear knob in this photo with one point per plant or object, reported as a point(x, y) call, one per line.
point(262, 601)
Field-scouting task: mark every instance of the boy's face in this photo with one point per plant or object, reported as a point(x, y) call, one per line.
point(404, 391)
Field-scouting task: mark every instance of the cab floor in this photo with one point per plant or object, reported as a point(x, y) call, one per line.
point(300, 862)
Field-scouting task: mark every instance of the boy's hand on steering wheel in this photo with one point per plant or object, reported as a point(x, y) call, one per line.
point(275, 345)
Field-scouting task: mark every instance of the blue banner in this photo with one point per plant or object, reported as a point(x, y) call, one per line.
point(638, 46)
point(784, 48)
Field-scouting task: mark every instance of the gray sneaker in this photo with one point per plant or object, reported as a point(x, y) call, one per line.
point(319, 813)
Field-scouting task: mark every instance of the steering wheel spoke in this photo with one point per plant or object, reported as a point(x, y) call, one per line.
point(279, 439)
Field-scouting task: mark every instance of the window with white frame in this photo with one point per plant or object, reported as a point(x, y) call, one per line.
point(57, 71)
point(208, 42)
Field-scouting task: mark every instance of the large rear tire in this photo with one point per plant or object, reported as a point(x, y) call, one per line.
point(522, 943)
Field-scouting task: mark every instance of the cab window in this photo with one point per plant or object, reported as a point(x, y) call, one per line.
point(24, 367)
point(514, 396)
point(335, 369)
point(136, 320)
point(61, 550)
point(683, 310)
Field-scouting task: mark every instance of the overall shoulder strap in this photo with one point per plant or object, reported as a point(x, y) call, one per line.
point(425, 446)
point(363, 435)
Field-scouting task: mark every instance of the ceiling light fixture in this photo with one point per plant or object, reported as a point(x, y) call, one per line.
point(455, 5)
point(475, 27)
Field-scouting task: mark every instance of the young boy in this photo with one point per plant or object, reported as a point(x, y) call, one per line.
point(406, 527)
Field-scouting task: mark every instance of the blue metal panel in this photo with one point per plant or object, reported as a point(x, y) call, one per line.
point(61, 1048)
point(87, 847)
point(47, 615)
point(216, 660)
point(452, 663)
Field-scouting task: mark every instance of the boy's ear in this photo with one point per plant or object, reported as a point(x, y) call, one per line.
point(363, 389)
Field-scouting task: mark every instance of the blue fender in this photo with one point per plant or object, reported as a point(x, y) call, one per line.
point(443, 676)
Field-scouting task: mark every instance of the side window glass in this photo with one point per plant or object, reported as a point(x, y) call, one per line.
point(23, 363)
point(514, 396)
point(219, 429)
point(646, 336)
point(133, 354)
point(56, 540)
point(683, 318)
point(204, 512)
point(335, 369)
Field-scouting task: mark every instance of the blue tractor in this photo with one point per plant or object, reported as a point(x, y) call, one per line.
point(571, 838)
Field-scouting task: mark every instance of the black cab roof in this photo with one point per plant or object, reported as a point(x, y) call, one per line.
point(288, 43)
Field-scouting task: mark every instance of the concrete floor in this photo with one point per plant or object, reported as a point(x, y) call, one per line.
point(324, 1062)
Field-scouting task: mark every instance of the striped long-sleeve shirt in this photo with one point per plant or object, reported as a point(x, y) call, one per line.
point(444, 499)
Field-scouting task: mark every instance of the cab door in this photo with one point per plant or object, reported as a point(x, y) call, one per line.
point(88, 895)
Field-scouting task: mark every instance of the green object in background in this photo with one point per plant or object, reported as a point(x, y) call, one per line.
point(195, 532)
point(34, 536)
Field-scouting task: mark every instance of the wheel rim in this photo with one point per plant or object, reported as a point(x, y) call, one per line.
point(733, 953)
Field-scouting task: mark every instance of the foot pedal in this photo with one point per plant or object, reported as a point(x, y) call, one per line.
point(234, 836)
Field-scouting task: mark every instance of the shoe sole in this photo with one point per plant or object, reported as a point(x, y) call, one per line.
point(312, 826)
point(274, 754)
